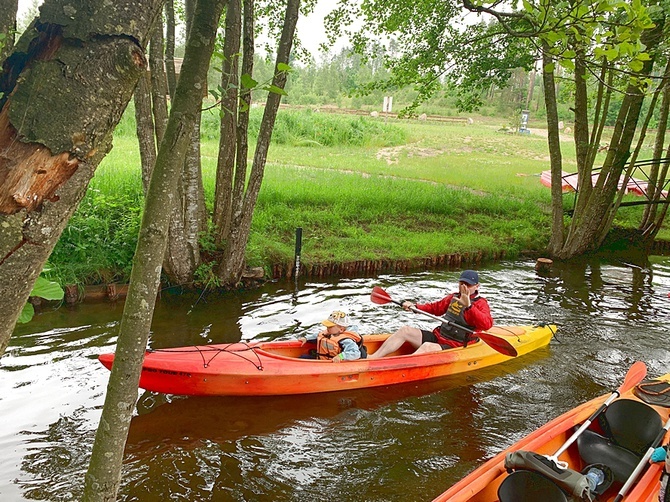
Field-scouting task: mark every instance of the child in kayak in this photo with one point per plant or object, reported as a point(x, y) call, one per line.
point(337, 343)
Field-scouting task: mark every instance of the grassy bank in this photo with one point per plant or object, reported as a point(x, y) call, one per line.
point(361, 188)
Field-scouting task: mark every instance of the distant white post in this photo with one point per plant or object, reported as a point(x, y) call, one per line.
point(387, 107)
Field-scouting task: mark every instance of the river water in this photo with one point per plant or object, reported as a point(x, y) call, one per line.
point(401, 443)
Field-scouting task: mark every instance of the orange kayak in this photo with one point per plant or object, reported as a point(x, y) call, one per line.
point(275, 368)
point(616, 442)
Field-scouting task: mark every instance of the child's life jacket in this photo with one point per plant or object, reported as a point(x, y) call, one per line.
point(328, 346)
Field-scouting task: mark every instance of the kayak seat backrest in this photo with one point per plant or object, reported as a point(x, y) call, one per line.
point(631, 424)
point(529, 486)
point(596, 449)
point(629, 427)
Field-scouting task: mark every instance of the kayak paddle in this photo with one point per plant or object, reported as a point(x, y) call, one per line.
point(643, 463)
point(381, 297)
point(635, 375)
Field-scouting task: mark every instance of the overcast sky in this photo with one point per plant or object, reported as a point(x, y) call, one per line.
point(310, 29)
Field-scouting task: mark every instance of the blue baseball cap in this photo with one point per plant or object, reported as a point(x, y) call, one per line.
point(469, 276)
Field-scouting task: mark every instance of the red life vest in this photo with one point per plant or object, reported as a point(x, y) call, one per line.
point(328, 346)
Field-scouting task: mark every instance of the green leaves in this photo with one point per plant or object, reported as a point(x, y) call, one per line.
point(43, 288)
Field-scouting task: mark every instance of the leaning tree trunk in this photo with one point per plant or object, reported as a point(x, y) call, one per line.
point(65, 88)
point(8, 9)
point(104, 472)
point(232, 264)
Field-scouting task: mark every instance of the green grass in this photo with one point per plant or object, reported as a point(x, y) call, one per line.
point(361, 188)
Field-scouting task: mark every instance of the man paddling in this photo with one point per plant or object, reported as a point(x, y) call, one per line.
point(465, 308)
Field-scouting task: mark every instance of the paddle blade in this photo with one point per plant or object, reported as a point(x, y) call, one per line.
point(498, 343)
point(380, 296)
point(635, 375)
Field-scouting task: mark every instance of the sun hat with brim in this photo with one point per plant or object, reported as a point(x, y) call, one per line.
point(337, 318)
point(469, 276)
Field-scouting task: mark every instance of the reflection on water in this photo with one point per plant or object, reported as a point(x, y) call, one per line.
point(406, 442)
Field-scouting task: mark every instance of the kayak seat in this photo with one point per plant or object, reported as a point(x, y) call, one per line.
point(631, 424)
point(629, 427)
point(529, 486)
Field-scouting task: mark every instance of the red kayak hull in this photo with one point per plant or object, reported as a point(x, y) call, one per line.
point(274, 368)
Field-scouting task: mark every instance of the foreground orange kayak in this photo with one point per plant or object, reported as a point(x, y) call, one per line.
point(618, 438)
point(275, 368)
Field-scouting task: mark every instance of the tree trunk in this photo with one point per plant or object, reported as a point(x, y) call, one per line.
point(159, 88)
point(78, 67)
point(104, 472)
point(232, 264)
point(657, 174)
point(145, 128)
point(182, 256)
point(225, 168)
point(592, 217)
point(169, 47)
point(8, 9)
point(555, 156)
point(243, 116)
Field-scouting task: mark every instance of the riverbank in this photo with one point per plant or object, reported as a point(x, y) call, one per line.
point(413, 195)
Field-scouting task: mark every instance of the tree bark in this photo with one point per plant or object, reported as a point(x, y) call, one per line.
point(8, 10)
point(169, 47)
point(225, 169)
point(104, 473)
point(232, 264)
point(145, 128)
point(555, 156)
point(159, 87)
point(64, 88)
point(657, 174)
point(182, 256)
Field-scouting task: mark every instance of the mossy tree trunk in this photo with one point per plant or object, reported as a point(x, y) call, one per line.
point(232, 263)
point(65, 87)
point(104, 472)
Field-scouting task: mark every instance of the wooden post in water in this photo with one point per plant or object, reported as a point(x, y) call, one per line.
point(543, 265)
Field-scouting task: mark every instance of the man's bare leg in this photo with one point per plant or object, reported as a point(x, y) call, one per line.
point(413, 336)
point(429, 347)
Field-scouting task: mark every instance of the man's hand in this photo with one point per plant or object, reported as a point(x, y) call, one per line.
point(407, 305)
point(465, 295)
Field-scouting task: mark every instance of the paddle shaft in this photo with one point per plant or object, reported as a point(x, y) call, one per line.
point(634, 376)
point(584, 426)
point(435, 317)
point(643, 463)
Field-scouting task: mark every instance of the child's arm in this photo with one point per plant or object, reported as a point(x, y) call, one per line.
point(350, 351)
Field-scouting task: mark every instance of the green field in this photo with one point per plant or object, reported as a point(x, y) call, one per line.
point(360, 187)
